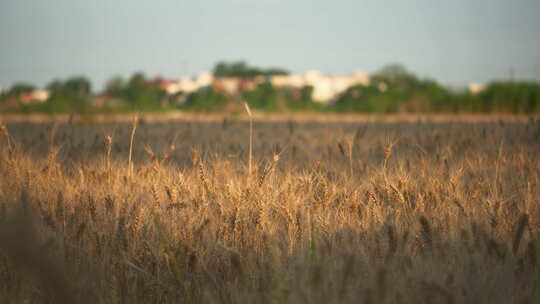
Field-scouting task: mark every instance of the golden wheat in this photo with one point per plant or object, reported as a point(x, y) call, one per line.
point(445, 214)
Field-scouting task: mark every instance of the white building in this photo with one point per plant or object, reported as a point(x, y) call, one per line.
point(476, 88)
point(325, 87)
point(323, 90)
point(290, 80)
point(204, 79)
point(40, 95)
point(186, 84)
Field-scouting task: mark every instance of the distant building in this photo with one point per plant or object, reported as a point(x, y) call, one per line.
point(34, 96)
point(235, 85)
point(476, 88)
point(204, 79)
point(325, 88)
point(382, 87)
point(228, 85)
point(291, 80)
point(106, 99)
point(187, 85)
point(250, 83)
point(169, 86)
point(322, 86)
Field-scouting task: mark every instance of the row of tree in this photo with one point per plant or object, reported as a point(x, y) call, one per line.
point(393, 89)
point(73, 94)
point(242, 69)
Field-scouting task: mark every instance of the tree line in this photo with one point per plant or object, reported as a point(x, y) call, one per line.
point(392, 89)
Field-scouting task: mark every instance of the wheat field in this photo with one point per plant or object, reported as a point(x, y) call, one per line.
point(397, 211)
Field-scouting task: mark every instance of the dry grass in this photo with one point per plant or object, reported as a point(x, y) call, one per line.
point(396, 212)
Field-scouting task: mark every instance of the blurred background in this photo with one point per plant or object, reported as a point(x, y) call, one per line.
point(402, 56)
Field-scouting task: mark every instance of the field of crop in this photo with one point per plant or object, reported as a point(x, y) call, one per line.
point(397, 211)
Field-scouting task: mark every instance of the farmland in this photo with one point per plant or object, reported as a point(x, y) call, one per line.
point(390, 210)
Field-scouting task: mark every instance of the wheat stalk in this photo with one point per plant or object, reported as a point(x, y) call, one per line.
point(108, 142)
point(250, 153)
point(520, 229)
point(4, 131)
point(133, 130)
point(54, 129)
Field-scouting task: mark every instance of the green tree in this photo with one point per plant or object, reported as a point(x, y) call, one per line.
point(395, 89)
point(241, 69)
point(20, 88)
point(301, 100)
point(140, 94)
point(396, 77)
point(275, 71)
point(10, 100)
point(73, 86)
point(263, 97)
point(205, 100)
point(115, 86)
point(72, 94)
point(513, 97)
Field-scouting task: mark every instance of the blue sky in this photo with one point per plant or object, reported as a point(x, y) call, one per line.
point(455, 42)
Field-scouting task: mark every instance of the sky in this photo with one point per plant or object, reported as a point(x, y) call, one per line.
point(454, 42)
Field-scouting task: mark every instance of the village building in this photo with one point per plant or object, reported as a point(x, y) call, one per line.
point(475, 88)
point(325, 88)
point(204, 79)
point(39, 96)
point(187, 85)
point(235, 85)
point(290, 80)
point(169, 86)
